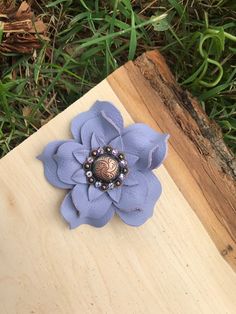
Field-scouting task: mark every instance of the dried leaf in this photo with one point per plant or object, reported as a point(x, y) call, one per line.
point(23, 8)
point(20, 27)
point(21, 43)
point(7, 7)
point(26, 111)
point(38, 27)
point(17, 27)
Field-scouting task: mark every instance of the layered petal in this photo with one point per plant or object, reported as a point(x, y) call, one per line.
point(131, 179)
point(132, 196)
point(115, 194)
point(79, 176)
point(117, 143)
point(100, 106)
point(102, 221)
point(66, 162)
point(158, 154)
point(103, 126)
point(149, 145)
point(94, 193)
point(131, 159)
point(50, 165)
point(69, 212)
point(96, 141)
point(75, 218)
point(90, 209)
point(145, 210)
point(81, 155)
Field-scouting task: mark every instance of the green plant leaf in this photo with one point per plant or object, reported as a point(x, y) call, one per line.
point(133, 38)
point(38, 63)
point(54, 3)
point(163, 25)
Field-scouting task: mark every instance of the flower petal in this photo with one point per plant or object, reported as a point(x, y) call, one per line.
point(117, 143)
point(79, 176)
point(94, 193)
point(107, 107)
point(96, 141)
point(103, 126)
point(158, 154)
point(145, 211)
point(132, 197)
point(69, 212)
point(50, 165)
point(115, 194)
point(130, 179)
point(111, 111)
point(131, 159)
point(66, 162)
point(140, 140)
point(91, 209)
point(75, 219)
point(81, 155)
point(102, 221)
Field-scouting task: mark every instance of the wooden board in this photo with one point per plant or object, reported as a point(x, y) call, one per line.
point(199, 161)
point(169, 265)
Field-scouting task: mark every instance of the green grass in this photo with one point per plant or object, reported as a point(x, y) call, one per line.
point(90, 39)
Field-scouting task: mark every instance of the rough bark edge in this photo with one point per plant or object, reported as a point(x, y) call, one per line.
point(160, 101)
point(210, 139)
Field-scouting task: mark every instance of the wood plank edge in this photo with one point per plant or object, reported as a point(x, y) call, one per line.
point(204, 139)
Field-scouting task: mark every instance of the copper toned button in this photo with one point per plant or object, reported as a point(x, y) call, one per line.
point(106, 168)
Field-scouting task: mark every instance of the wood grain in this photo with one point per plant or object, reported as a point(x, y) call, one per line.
point(169, 265)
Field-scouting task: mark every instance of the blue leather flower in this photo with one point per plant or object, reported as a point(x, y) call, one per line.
point(106, 168)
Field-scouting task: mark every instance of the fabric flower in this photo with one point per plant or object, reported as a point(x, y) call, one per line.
point(106, 168)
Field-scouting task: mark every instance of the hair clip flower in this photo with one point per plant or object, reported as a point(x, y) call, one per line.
point(106, 168)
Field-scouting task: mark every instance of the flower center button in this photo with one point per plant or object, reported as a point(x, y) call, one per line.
point(106, 168)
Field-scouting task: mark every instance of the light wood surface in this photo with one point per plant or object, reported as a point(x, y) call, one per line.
point(169, 265)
